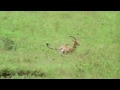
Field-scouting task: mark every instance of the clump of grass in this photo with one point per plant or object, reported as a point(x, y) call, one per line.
point(9, 73)
point(8, 44)
point(6, 73)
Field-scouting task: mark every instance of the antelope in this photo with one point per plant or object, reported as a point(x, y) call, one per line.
point(65, 48)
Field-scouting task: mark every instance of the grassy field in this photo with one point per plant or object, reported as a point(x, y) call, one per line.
point(24, 55)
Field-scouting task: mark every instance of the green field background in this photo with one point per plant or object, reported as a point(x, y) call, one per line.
point(24, 54)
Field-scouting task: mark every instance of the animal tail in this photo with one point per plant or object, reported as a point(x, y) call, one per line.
point(50, 47)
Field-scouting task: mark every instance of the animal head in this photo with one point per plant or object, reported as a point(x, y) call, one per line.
point(76, 42)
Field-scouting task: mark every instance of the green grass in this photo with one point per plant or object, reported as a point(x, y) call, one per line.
point(98, 55)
